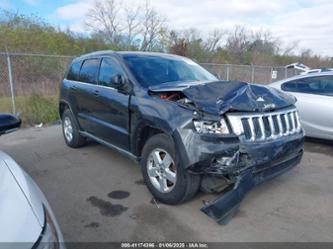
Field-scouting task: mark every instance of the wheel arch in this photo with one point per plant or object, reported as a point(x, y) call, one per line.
point(63, 105)
point(146, 130)
point(141, 136)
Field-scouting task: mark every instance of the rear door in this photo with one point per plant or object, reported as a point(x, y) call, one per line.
point(68, 91)
point(111, 106)
point(315, 104)
point(85, 92)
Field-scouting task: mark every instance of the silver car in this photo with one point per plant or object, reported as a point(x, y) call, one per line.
point(314, 93)
point(26, 219)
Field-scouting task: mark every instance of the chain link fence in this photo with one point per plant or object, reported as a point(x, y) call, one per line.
point(250, 73)
point(29, 83)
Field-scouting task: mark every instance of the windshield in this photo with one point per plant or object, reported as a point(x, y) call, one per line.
point(152, 70)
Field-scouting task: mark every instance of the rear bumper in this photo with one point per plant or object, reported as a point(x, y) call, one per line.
point(223, 208)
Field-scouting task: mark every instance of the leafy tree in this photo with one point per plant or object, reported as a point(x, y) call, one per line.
point(31, 34)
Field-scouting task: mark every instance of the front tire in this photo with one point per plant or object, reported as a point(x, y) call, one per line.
point(70, 130)
point(166, 179)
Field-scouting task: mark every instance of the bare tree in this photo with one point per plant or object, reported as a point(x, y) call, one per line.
point(290, 48)
point(264, 42)
point(238, 40)
point(238, 44)
point(104, 18)
point(214, 40)
point(152, 27)
point(176, 44)
point(122, 26)
point(133, 24)
point(191, 35)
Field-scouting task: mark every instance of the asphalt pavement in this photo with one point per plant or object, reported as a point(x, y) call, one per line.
point(98, 195)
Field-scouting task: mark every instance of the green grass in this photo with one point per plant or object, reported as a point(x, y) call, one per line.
point(33, 109)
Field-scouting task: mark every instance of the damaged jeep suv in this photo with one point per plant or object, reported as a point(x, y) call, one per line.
point(188, 130)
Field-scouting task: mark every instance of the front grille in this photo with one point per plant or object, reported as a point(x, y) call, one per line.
point(264, 126)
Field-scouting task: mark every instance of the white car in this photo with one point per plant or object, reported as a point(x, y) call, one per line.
point(314, 93)
point(26, 219)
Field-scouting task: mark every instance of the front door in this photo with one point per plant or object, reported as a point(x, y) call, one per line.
point(111, 109)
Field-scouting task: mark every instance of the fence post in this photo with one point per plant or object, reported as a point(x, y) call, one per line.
point(228, 71)
point(252, 75)
point(10, 78)
point(285, 73)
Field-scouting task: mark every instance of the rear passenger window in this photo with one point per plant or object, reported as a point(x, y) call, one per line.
point(89, 71)
point(73, 73)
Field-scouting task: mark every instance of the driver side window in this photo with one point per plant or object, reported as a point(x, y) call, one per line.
point(108, 70)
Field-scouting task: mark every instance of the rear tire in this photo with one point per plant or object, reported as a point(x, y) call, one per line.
point(70, 130)
point(166, 179)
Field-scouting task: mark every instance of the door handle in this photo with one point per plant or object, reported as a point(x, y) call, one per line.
point(73, 88)
point(96, 93)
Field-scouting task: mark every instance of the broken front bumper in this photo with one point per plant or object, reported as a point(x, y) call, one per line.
point(223, 208)
point(245, 165)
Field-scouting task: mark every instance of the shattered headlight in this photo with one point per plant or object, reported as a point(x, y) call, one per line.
point(211, 127)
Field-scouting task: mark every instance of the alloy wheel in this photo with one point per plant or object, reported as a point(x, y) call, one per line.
point(68, 129)
point(161, 170)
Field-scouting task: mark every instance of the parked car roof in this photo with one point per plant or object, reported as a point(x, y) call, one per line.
point(327, 73)
point(136, 53)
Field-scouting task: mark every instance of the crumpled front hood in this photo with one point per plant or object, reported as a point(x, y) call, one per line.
point(219, 97)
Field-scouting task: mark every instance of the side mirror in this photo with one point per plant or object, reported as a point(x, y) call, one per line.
point(9, 123)
point(118, 81)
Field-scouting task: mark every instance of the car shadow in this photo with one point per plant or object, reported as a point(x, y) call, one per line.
point(317, 145)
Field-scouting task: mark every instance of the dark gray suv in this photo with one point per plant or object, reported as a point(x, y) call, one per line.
point(188, 129)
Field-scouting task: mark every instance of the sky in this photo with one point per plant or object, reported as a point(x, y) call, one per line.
point(307, 21)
